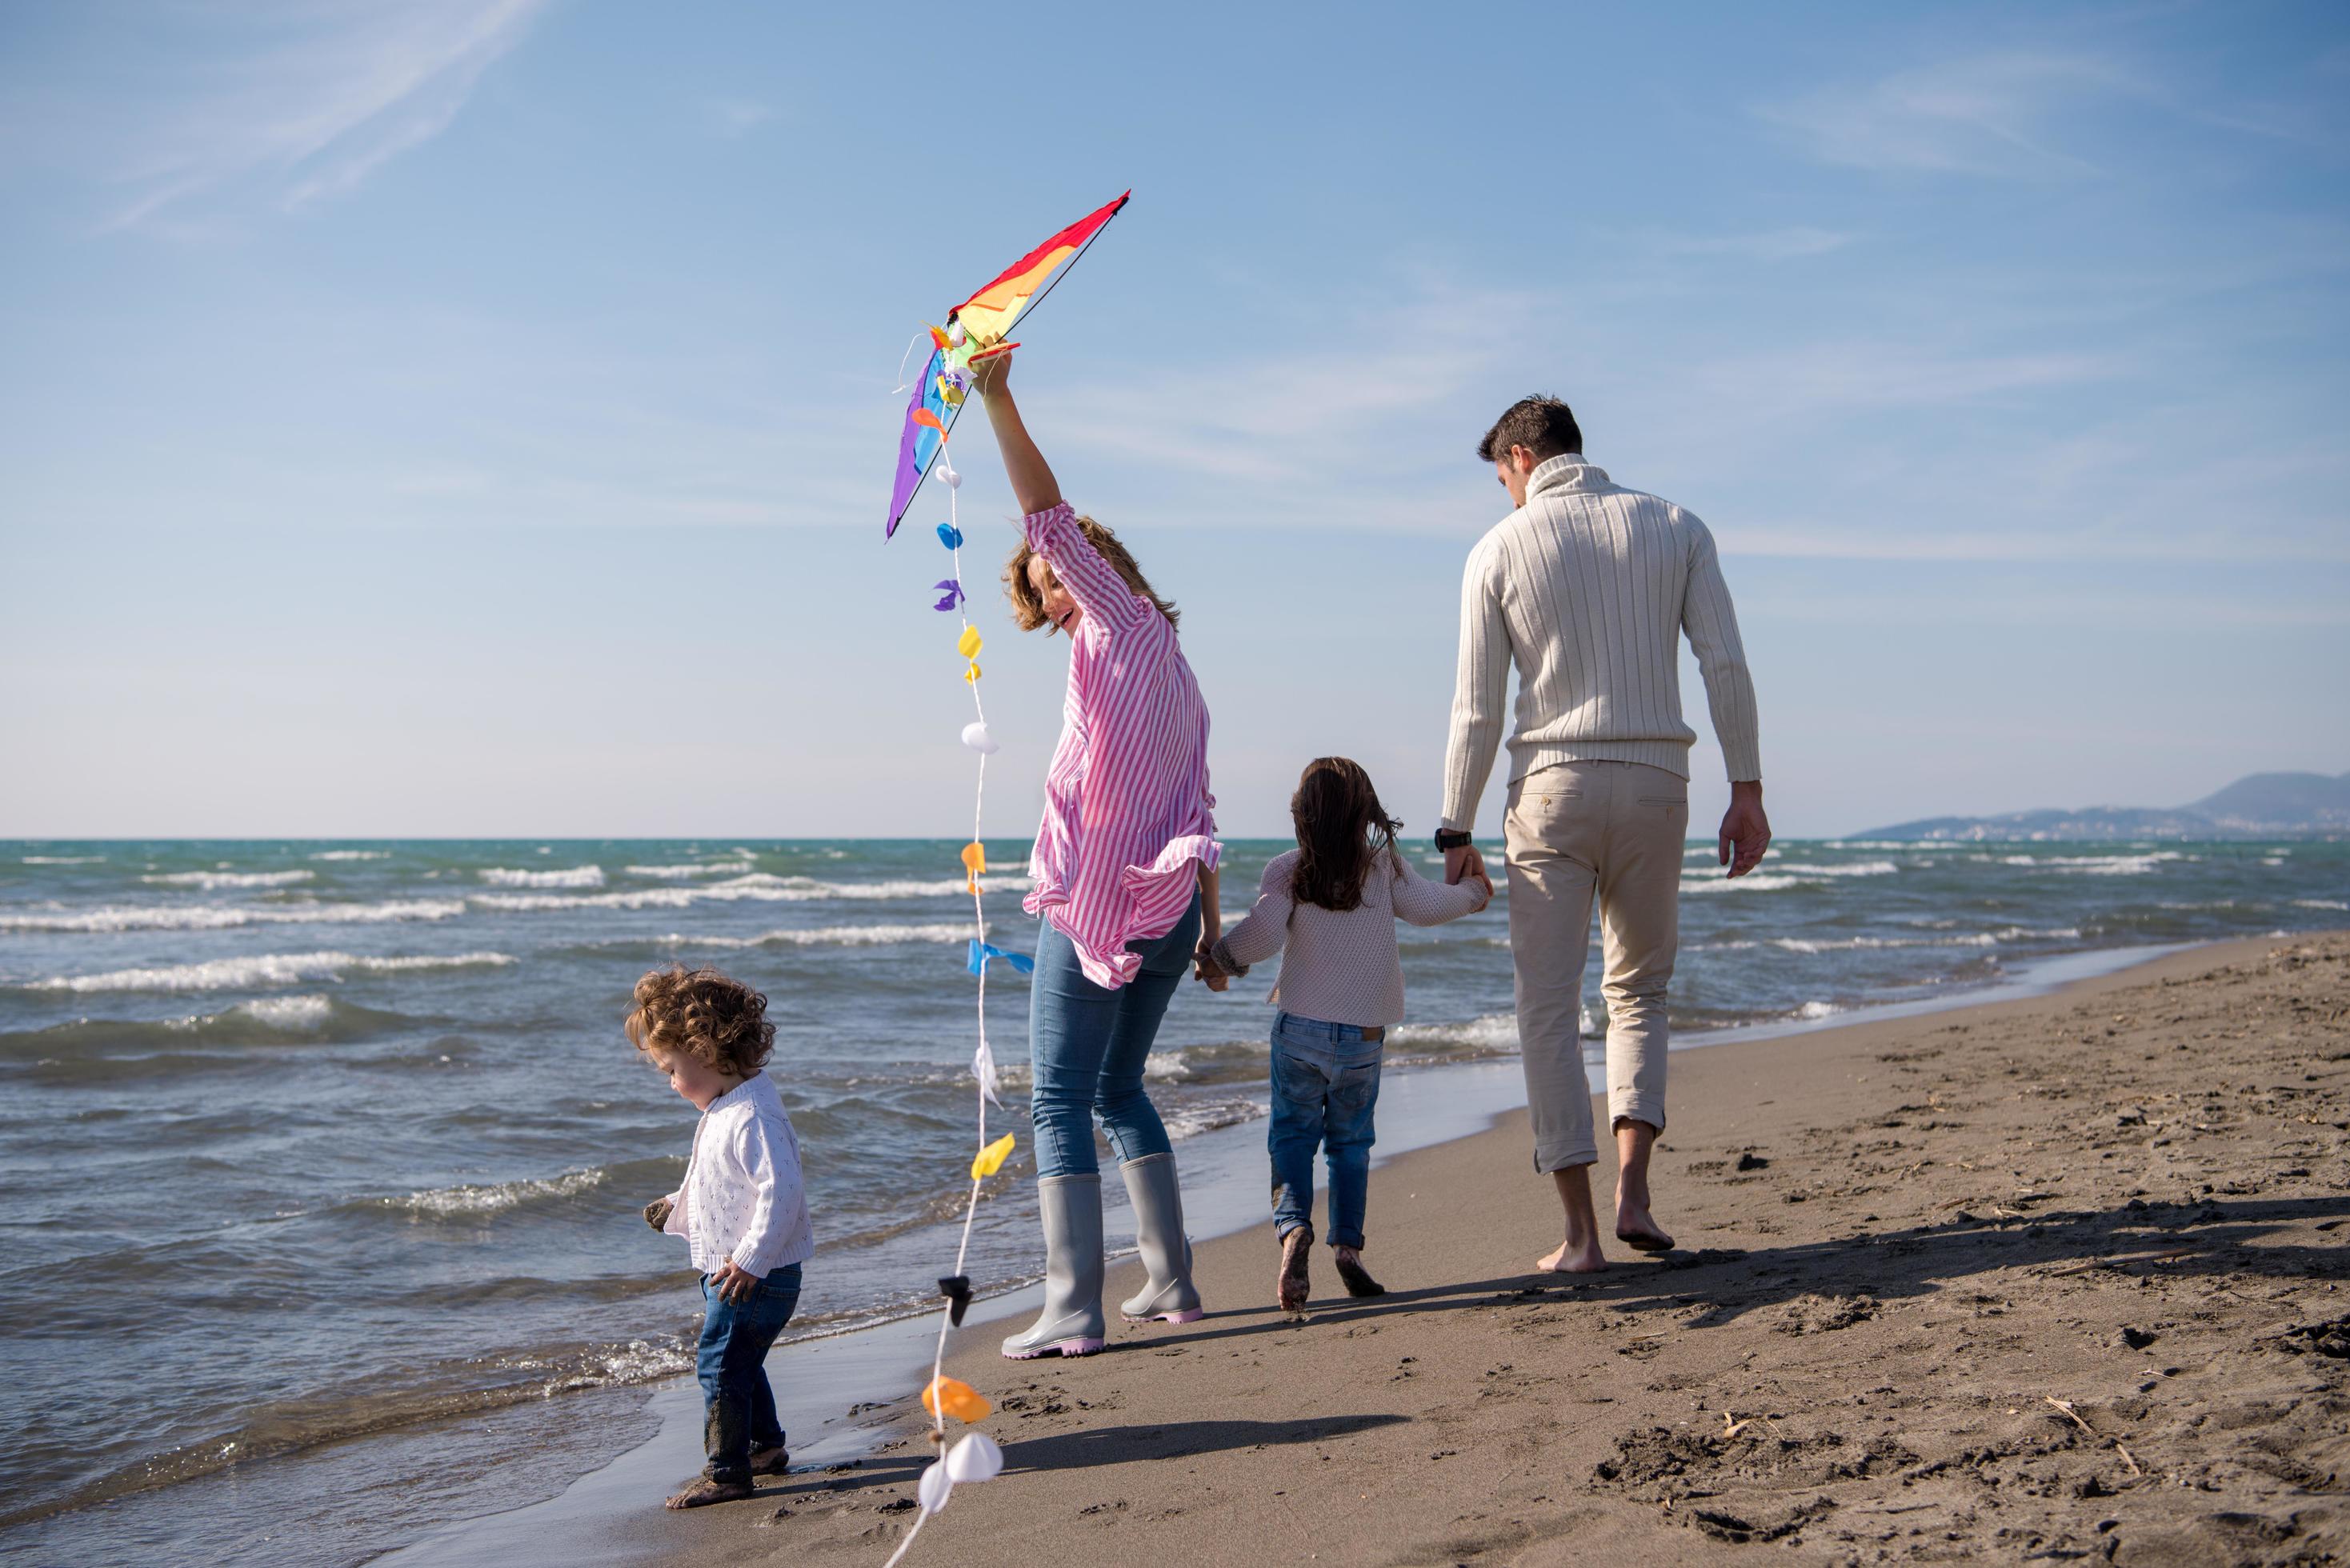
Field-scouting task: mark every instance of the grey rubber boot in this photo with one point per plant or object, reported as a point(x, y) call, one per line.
point(1168, 1291)
point(1072, 1321)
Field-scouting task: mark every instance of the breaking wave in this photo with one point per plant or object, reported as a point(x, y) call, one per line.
point(1752, 882)
point(287, 1013)
point(223, 916)
point(759, 887)
point(467, 1200)
point(819, 937)
point(1858, 868)
point(575, 877)
point(212, 881)
point(265, 969)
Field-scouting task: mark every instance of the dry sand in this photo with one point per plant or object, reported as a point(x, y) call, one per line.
point(2045, 1280)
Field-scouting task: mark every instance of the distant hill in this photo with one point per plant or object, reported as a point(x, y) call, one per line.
point(2260, 805)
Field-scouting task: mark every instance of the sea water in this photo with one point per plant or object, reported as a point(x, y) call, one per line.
point(321, 1164)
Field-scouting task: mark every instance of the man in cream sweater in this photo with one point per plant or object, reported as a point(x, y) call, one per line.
point(1586, 588)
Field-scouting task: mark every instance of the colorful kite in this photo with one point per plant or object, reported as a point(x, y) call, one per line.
point(976, 330)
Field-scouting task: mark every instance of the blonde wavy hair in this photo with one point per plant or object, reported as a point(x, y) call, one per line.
point(700, 1013)
point(1028, 605)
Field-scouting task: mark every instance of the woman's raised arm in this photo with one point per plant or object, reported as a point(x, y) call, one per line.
point(1033, 485)
point(1052, 532)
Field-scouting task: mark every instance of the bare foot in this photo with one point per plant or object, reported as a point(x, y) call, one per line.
point(1637, 1229)
point(1568, 1260)
point(1358, 1278)
point(1635, 1226)
point(702, 1493)
point(1293, 1287)
point(773, 1461)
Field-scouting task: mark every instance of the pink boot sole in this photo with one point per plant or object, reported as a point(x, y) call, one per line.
point(1058, 1348)
point(1188, 1314)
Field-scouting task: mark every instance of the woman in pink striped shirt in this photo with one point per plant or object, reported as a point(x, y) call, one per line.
point(1125, 872)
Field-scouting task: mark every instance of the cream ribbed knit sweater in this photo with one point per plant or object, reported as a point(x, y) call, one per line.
point(1587, 588)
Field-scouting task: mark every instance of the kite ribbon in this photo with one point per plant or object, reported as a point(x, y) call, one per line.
point(975, 1458)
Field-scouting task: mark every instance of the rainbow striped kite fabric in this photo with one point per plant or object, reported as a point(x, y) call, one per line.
point(974, 329)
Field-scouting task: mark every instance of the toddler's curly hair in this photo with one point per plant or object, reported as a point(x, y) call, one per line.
point(700, 1013)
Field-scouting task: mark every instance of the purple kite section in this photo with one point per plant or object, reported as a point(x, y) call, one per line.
point(919, 444)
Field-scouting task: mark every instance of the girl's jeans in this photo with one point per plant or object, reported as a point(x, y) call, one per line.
point(738, 1407)
point(1326, 1085)
point(1086, 1047)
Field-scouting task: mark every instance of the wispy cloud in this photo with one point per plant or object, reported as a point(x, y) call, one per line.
point(303, 101)
point(1336, 432)
point(1790, 244)
point(1865, 374)
point(734, 117)
point(1990, 114)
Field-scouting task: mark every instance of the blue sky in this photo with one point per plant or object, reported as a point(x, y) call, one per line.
point(434, 417)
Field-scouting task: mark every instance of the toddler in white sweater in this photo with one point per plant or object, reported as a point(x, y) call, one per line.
point(742, 1210)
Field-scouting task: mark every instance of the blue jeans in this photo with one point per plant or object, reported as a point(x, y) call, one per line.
point(1086, 1046)
point(1326, 1085)
point(738, 1407)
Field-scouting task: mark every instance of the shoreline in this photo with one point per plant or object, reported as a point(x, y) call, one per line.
point(2050, 1279)
point(600, 1516)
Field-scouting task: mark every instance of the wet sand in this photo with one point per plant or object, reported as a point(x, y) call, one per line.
point(2055, 1279)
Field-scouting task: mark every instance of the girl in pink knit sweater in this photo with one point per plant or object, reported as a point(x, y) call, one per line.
point(1331, 902)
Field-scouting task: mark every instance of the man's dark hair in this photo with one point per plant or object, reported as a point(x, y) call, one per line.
point(1543, 426)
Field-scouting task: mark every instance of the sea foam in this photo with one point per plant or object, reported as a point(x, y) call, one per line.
point(766, 886)
point(714, 869)
point(221, 917)
point(264, 969)
point(640, 898)
point(1858, 868)
point(575, 877)
point(467, 1199)
point(1856, 944)
point(759, 887)
point(293, 1014)
point(880, 935)
point(212, 881)
point(2113, 865)
point(1752, 882)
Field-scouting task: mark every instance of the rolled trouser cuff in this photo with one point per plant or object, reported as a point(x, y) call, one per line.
point(1636, 1108)
point(1564, 1156)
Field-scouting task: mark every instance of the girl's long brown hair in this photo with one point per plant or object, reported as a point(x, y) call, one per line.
point(1342, 832)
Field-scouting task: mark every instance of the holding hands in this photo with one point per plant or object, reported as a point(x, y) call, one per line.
point(1466, 862)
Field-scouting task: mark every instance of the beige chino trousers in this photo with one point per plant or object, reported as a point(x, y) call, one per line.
point(1617, 830)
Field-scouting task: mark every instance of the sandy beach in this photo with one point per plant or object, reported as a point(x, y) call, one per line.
point(2047, 1279)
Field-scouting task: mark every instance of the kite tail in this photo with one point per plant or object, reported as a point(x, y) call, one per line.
point(983, 1060)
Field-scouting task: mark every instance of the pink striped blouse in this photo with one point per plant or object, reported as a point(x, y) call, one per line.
point(1126, 808)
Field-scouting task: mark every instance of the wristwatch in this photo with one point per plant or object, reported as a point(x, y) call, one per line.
point(1451, 839)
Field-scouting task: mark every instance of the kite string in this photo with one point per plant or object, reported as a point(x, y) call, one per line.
point(902, 386)
point(971, 1207)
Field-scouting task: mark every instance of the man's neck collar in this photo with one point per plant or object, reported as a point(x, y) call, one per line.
point(1567, 471)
